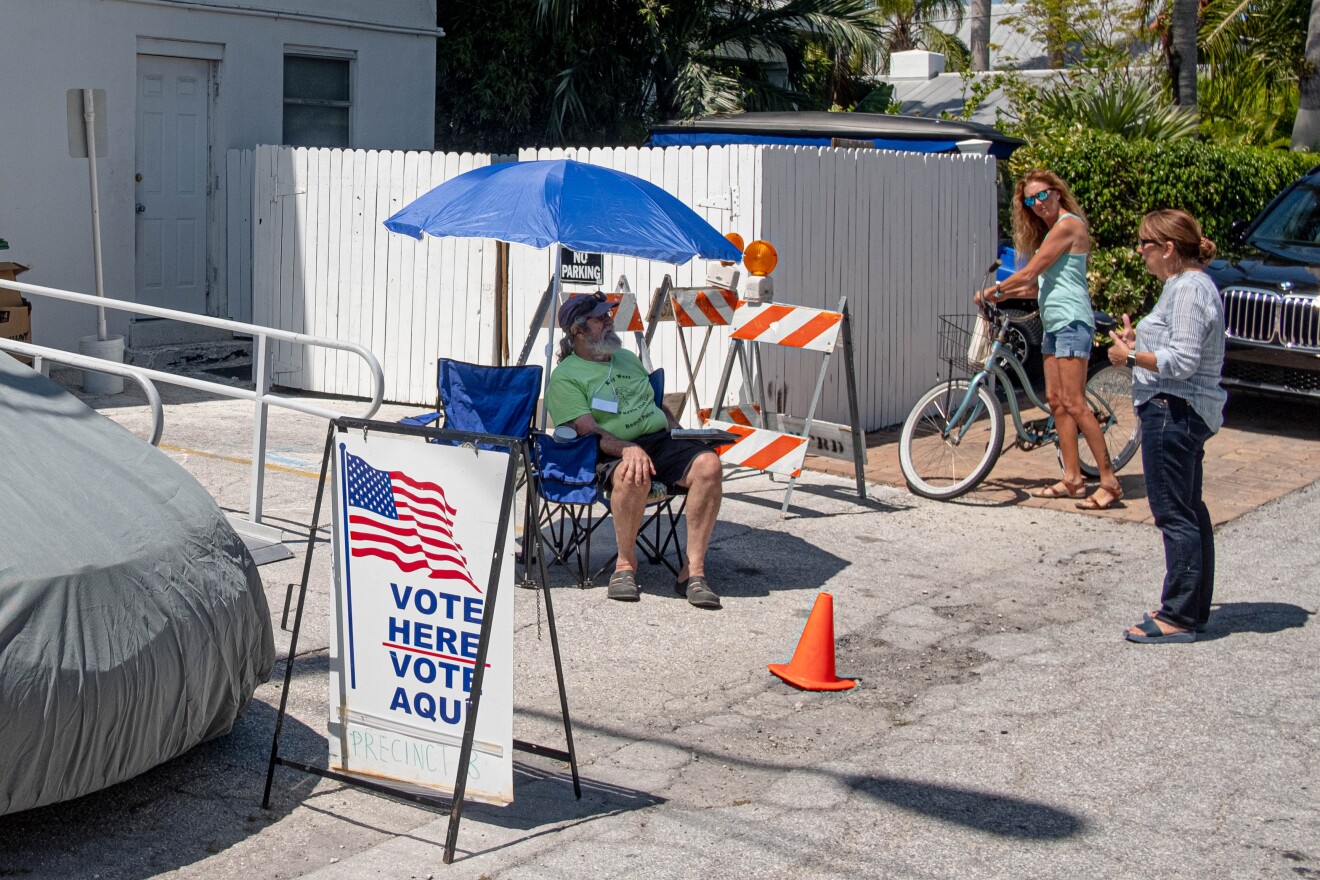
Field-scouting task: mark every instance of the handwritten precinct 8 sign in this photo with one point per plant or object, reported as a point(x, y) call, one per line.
point(414, 536)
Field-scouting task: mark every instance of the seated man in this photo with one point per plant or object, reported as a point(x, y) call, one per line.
point(599, 388)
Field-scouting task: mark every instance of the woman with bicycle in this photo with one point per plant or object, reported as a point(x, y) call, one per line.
point(1050, 233)
point(1176, 354)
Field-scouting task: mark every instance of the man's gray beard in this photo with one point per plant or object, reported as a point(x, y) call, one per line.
point(607, 345)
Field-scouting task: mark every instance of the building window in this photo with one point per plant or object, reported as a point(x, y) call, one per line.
point(316, 101)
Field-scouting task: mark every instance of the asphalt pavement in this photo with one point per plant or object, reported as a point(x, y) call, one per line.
point(1000, 728)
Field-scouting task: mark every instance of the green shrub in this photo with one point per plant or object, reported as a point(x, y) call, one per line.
point(1117, 181)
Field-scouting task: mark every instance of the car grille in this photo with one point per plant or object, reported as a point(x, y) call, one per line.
point(1260, 316)
point(1274, 377)
point(1299, 321)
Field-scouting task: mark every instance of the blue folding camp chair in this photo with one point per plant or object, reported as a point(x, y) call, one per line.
point(566, 483)
point(480, 400)
point(483, 399)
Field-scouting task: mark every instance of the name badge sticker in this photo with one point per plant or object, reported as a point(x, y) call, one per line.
point(609, 406)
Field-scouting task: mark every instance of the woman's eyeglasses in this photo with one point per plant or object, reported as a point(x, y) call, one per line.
point(1142, 242)
point(1042, 196)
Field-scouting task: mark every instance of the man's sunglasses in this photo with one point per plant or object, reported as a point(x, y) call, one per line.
point(1042, 196)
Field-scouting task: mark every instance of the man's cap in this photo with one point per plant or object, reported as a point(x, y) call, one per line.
point(583, 306)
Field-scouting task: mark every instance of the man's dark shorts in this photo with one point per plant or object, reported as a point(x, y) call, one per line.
point(672, 458)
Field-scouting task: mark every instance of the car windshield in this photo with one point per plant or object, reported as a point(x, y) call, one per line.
point(1292, 227)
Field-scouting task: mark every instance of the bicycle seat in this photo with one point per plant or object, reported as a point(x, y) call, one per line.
point(1104, 322)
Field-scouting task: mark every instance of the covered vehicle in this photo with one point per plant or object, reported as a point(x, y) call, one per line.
point(823, 129)
point(133, 624)
point(1272, 295)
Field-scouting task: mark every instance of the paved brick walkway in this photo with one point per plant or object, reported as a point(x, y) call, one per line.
point(1267, 448)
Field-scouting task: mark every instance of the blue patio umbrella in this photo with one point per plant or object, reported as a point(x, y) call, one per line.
point(560, 201)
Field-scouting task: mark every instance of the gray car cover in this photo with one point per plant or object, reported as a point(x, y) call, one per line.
point(133, 625)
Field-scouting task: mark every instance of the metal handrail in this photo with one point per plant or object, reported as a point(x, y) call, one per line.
point(260, 395)
point(40, 352)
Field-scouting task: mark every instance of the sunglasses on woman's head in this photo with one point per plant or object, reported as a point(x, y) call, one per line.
point(1042, 196)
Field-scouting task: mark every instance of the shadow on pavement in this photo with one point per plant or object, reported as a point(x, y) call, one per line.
point(741, 561)
point(1230, 618)
point(999, 815)
point(177, 813)
point(773, 498)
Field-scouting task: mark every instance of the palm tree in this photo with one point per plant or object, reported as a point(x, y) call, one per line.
point(699, 57)
point(1306, 130)
point(979, 13)
point(916, 24)
point(1182, 53)
point(1254, 51)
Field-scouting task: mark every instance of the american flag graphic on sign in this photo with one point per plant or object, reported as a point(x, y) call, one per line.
point(405, 521)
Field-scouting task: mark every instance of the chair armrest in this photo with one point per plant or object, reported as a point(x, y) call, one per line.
point(420, 420)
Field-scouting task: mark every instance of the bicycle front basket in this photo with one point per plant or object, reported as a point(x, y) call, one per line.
point(965, 341)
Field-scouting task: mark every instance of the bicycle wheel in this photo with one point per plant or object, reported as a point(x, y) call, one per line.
point(1109, 391)
point(943, 460)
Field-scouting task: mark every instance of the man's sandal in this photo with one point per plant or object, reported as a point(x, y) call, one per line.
point(697, 592)
point(1151, 634)
point(623, 587)
point(1062, 489)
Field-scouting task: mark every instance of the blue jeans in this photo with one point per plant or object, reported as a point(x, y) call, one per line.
point(1172, 451)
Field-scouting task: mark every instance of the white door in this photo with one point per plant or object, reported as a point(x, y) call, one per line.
point(172, 170)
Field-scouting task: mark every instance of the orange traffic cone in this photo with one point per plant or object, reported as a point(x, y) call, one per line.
point(812, 666)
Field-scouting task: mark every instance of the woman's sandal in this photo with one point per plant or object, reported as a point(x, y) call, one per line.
point(1069, 490)
point(1090, 502)
point(1149, 633)
point(1151, 615)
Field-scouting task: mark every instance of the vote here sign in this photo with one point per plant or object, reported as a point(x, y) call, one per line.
point(414, 536)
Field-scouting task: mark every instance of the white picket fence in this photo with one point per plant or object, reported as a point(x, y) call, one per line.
point(903, 235)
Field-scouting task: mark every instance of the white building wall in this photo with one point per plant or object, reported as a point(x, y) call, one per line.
point(51, 46)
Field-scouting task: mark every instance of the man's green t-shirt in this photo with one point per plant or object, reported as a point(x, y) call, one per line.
point(578, 387)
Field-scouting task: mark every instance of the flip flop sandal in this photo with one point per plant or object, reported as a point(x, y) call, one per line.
point(1052, 491)
point(1200, 627)
point(623, 587)
point(698, 593)
point(1151, 634)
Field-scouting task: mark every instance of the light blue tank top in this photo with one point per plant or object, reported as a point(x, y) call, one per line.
point(1064, 296)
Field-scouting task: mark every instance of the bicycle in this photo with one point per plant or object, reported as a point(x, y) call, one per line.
point(955, 432)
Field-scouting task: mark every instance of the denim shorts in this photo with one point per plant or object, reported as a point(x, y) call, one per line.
point(1069, 341)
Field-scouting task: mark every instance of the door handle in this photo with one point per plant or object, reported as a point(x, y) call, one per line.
point(140, 209)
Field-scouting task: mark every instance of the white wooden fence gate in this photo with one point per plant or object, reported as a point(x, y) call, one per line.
point(904, 236)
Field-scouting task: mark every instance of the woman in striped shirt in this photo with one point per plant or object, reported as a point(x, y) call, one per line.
point(1176, 354)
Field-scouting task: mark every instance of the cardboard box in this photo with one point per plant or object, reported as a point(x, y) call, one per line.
point(16, 324)
point(10, 272)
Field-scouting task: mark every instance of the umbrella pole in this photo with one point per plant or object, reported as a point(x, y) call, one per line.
point(557, 264)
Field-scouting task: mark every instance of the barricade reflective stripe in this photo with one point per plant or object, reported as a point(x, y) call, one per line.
point(763, 450)
point(791, 326)
point(739, 414)
point(704, 306)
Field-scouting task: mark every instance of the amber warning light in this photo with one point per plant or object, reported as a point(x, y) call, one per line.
point(760, 259)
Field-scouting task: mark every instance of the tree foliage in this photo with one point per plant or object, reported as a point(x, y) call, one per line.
point(1067, 28)
point(589, 72)
point(922, 24)
point(1117, 180)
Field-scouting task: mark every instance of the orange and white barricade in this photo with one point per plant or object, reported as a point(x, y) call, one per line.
point(777, 443)
point(692, 308)
point(627, 318)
